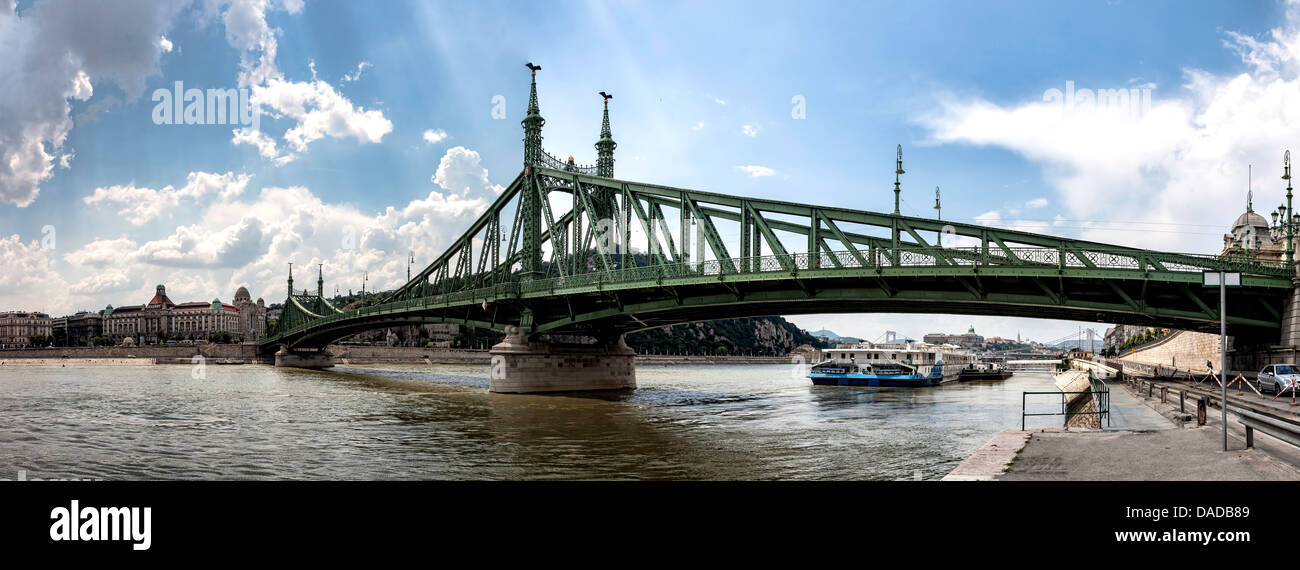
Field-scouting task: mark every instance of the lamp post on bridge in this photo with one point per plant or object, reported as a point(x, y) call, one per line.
point(1288, 215)
point(939, 208)
point(898, 170)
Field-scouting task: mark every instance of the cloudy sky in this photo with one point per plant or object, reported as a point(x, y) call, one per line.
point(378, 135)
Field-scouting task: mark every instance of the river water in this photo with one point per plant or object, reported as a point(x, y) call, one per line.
point(439, 422)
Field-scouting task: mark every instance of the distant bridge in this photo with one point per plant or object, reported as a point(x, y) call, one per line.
point(554, 255)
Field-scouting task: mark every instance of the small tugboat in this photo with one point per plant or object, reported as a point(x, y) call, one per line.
point(899, 365)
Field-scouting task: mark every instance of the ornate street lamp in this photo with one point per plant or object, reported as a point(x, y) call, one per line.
point(1289, 220)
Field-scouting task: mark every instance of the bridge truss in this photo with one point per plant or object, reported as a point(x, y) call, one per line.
point(569, 249)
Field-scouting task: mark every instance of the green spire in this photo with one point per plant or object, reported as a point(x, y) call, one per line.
point(530, 199)
point(606, 145)
point(290, 279)
point(320, 280)
point(533, 123)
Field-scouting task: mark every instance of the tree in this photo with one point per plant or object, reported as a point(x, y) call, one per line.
point(221, 337)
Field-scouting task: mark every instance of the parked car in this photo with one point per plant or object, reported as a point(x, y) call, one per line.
point(1277, 377)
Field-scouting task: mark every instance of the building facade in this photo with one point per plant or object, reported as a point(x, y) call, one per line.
point(17, 328)
point(83, 327)
point(969, 339)
point(161, 320)
point(252, 316)
point(78, 329)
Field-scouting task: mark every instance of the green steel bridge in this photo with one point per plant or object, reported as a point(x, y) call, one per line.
point(572, 250)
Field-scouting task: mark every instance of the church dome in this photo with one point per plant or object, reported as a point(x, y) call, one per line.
point(1251, 231)
point(1250, 219)
point(241, 294)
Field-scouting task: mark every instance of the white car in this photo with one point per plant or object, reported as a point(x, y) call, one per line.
point(1278, 377)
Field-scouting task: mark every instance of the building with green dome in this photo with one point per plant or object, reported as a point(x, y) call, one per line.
point(162, 320)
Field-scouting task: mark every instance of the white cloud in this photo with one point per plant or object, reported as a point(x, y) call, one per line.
point(1037, 203)
point(461, 172)
point(1181, 161)
point(719, 101)
point(320, 111)
point(749, 130)
point(992, 218)
point(242, 240)
point(165, 44)
point(698, 126)
point(30, 281)
point(53, 53)
point(756, 171)
point(139, 205)
point(435, 136)
point(350, 77)
point(248, 32)
point(317, 108)
point(265, 145)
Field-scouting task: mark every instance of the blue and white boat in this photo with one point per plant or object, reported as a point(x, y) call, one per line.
point(911, 364)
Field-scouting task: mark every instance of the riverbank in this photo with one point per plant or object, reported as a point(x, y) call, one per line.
point(76, 361)
point(345, 355)
point(1139, 447)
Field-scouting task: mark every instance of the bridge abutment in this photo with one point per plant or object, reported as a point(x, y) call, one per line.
point(1291, 318)
point(314, 359)
point(521, 366)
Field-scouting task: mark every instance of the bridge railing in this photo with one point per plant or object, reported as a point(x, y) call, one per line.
point(547, 160)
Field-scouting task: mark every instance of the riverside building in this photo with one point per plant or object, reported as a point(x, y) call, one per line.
point(17, 328)
point(161, 319)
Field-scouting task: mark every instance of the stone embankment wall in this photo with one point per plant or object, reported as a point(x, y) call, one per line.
point(232, 351)
point(344, 355)
point(1185, 350)
point(1082, 406)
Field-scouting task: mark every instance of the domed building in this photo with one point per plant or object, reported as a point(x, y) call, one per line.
point(252, 316)
point(1253, 235)
point(161, 320)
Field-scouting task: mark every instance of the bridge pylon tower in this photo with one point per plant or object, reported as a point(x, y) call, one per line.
point(530, 206)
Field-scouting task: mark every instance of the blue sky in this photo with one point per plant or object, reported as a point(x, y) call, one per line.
point(702, 90)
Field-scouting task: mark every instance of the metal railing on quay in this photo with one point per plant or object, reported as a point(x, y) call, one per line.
point(1101, 402)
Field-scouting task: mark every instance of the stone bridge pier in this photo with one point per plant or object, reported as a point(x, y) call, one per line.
point(1290, 317)
point(304, 358)
point(522, 366)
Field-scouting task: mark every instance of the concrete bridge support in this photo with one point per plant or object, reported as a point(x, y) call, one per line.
point(315, 359)
point(1290, 318)
point(522, 366)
